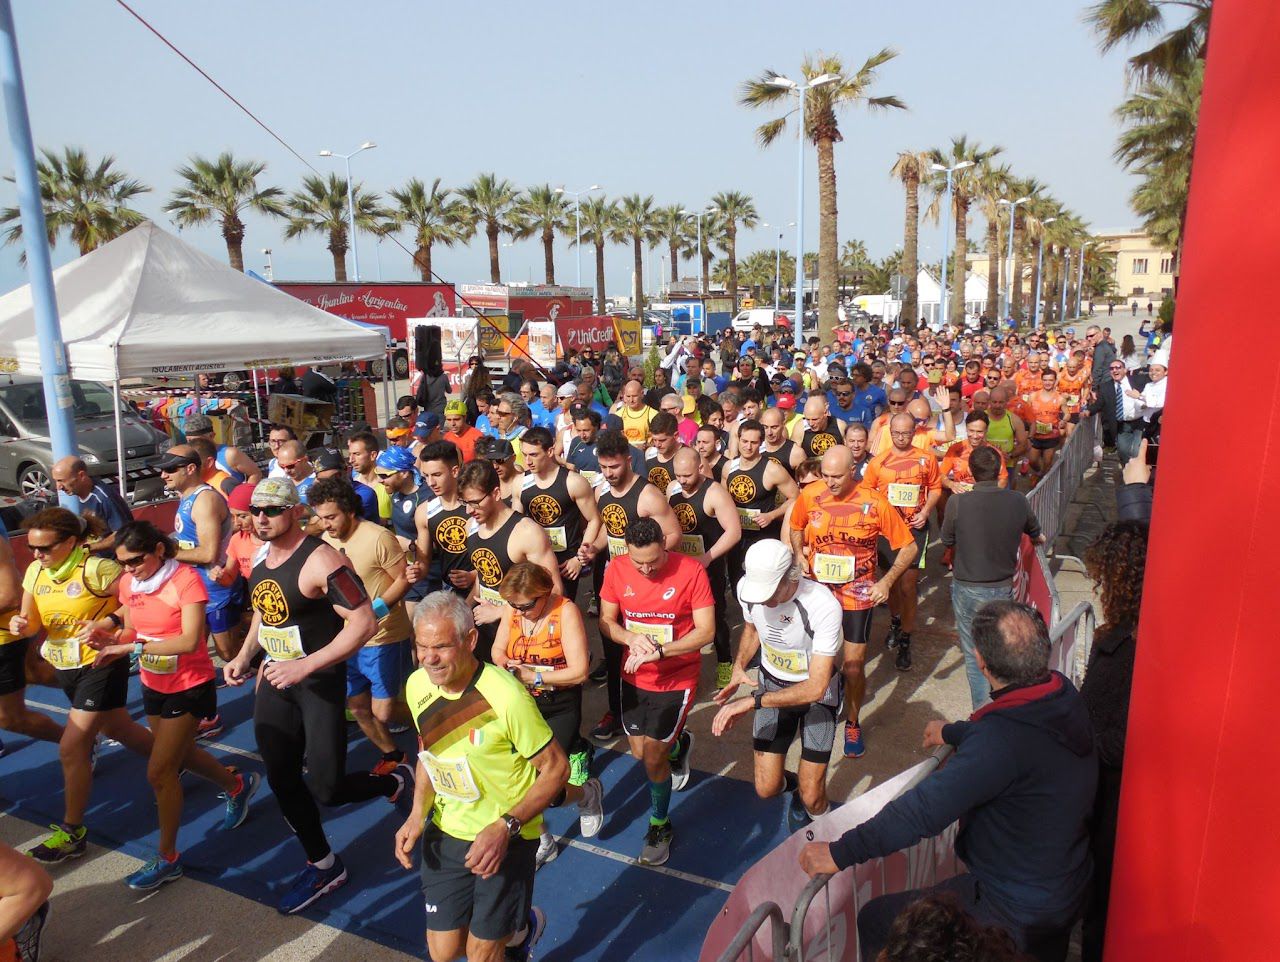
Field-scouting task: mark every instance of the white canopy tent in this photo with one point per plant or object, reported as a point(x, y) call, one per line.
point(146, 305)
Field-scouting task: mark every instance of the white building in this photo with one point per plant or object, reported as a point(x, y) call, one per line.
point(928, 292)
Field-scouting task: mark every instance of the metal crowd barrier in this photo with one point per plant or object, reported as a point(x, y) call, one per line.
point(1049, 498)
point(1072, 639)
point(745, 939)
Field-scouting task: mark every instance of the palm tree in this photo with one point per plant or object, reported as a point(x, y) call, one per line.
point(1040, 216)
point(672, 225)
point(320, 207)
point(1033, 189)
point(224, 188)
point(964, 188)
point(492, 202)
point(87, 200)
point(713, 235)
point(598, 217)
point(1124, 22)
point(542, 210)
point(992, 186)
point(911, 168)
point(434, 217)
point(822, 128)
point(732, 207)
point(636, 222)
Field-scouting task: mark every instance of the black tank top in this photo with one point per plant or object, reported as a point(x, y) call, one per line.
point(555, 511)
point(782, 455)
point(490, 558)
point(447, 531)
point(717, 469)
point(817, 443)
point(747, 488)
point(658, 472)
point(618, 511)
point(691, 512)
point(292, 622)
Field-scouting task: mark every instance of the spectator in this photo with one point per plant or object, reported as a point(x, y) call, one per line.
point(1116, 562)
point(936, 928)
point(71, 476)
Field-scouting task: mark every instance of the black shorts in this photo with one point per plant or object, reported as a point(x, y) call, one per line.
point(201, 701)
point(562, 711)
point(857, 626)
point(96, 689)
point(774, 729)
point(1046, 444)
point(13, 667)
point(887, 554)
point(659, 715)
point(1073, 418)
point(491, 909)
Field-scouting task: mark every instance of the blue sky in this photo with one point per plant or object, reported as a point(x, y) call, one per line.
point(635, 97)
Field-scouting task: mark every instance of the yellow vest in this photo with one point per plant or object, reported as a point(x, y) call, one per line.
point(88, 594)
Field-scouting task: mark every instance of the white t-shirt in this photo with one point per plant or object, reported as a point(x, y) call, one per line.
point(809, 624)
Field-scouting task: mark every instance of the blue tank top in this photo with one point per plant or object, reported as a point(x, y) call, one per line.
point(221, 460)
point(185, 533)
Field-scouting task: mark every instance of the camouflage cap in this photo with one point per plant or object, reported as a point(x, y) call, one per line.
point(275, 492)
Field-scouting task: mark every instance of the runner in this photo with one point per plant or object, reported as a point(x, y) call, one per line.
point(25, 888)
point(708, 445)
point(297, 467)
point(761, 489)
point(664, 441)
point(497, 538)
point(878, 435)
point(794, 626)
point(634, 414)
point(71, 477)
point(397, 471)
point(163, 604)
point(1048, 410)
point(543, 642)
point(15, 716)
point(210, 473)
point(777, 446)
point(62, 588)
point(332, 464)
point(500, 453)
point(1005, 430)
point(623, 497)
point(956, 476)
point(909, 480)
point(242, 468)
point(277, 434)
point(362, 455)
point(311, 614)
point(658, 605)
point(855, 439)
point(1074, 383)
point(441, 523)
point(488, 768)
point(819, 430)
point(562, 502)
point(710, 529)
point(375, 673)
point(835, 528)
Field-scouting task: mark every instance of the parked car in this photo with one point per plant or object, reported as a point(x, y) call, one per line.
point(26, 455)
point(766, 317)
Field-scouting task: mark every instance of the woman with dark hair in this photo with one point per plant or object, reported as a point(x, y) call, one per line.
point(163, 604)
point(64, 587)
point(936, 928)
point(1129, 353)
point(476, 384)
point(1116, 562)
point(543, 642)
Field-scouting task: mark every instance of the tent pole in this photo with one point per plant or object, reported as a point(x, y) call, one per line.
point(115, 390)
point(257, 401)
point(386, 384)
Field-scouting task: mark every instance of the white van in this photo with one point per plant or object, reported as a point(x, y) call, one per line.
point(764, 316)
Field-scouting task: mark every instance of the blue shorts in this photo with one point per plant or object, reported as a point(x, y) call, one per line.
point(379, 670)
point(224, 618)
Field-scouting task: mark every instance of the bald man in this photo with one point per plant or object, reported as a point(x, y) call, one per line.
point(818, 431)
point(71, 476)
point(777, 446)
point(878, 436)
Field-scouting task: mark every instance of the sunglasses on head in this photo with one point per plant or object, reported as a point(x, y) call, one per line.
point(270, 510)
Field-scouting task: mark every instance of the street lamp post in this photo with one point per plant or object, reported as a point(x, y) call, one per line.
point(271, 273)
point(777, 270)
point(699, 215)
point(1013, 216)
point(1066, 273)
point(351, 207)
point(946, 239)
point(577, 221)
point(1079, 280)
point(819, 81)
point(1035, 308)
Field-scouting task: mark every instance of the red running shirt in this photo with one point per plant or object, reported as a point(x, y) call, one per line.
point(159, 615)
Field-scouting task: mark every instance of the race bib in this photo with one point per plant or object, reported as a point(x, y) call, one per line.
point(281, 644)
point(186, 545)
point(1071, 399)
point(617, 546)
point(749, 518)
point(62, 654)
point(451, 777)
point(491, 595)
point(784, 660)
point(1042, 428)
point(159, 664)
point(557, 537)
point(833, 569)
point(904, 495)
point(658, 634)
point(691, 544)
point(530, 481)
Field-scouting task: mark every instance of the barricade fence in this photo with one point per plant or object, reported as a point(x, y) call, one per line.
point(1049, 498)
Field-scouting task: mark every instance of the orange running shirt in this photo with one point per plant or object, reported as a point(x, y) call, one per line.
point(904, 480)
point(1046, 415)
point(544, 646)
point(1072, 387)
point(955, 465)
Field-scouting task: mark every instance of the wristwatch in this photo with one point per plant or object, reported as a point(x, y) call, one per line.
point(513, 825)
point(759, 695)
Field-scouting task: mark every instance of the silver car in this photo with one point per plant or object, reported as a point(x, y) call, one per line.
point(26, 456)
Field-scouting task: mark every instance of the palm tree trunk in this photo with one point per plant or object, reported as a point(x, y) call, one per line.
point(495, 272)
point(674, 251)
point(1015, 282)
point(706, 267)
point(235, 255)
point(993, 267)
point(962, 256)
point(422, 261)
point(1035, 313)
point(731, 238)
point(637, 243)
point(233, 234)
point(600, 308)
point(338, 248)
point(548, 256)
point(911, 251)
point(827, 241)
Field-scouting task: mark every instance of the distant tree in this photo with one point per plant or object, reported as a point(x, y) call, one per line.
point(320, 207)
point(225, 189)
point(433, 215)
point(544, 212)
point(492, 202)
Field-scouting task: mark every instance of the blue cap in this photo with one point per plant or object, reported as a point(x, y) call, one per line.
point(396, 459)
point(426, 423)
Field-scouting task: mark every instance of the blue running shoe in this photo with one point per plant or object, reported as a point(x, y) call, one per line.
point(312, 883)
point(797, 815)
point(154, 874)
point(238, 805)
point(537, 923)
point(854, 747)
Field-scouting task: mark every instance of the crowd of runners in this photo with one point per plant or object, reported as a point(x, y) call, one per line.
point(430, 579)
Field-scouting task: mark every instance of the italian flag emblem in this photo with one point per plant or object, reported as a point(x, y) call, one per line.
point(475, 736)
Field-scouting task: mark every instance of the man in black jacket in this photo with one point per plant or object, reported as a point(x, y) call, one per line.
point(1021, 783)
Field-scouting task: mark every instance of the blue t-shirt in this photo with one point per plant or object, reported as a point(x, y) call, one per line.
point(749, 342)
point(866, 402)
point(486, 428)
point(368, 501)
point(542, 418)
point(106, 503)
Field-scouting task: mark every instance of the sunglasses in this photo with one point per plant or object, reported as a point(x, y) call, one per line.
point(271, 510)
point(288, 467)
point(384, 474)
point(844, 394)
point(44, 548)
point(897, 404)
point(134, 562)
point(528, 605)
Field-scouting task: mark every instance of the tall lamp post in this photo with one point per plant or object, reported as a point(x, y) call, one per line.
point(777, 80)
point(577, 221)
point(351, 207)
point(271, 272)
point(946, 239)
point(777, 270)
point(1013, 216)
point(699, 215)
point(1035, 308)
point(1080, 279)
point(1066, 274)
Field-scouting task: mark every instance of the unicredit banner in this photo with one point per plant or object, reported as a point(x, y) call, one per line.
point(580, 333)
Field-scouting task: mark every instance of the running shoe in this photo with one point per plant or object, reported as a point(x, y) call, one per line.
point(536, 925)
point(891, 639)
point(797, 815)
point(680, 761)
point(591, 808)
point(28, 937)
point(386, 766)
point(209, 727)
point(402, 797)
point(238, 804)
point(580, 765)
point(724, 674)
point(608, 727)
point(657, 844)
point(903, 661)
point(854, 747)
point(60, 846)
point(547, 851)
point(312, 883)
point(599, 674)
point(154, 874)
point(593, 607)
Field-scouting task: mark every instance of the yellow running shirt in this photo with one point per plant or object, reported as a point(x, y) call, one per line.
point(84, 593)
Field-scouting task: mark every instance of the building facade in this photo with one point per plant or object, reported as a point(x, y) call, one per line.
point(1143, 272)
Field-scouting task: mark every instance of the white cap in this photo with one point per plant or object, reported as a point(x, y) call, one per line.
point(765, 565)
point(567, 389)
